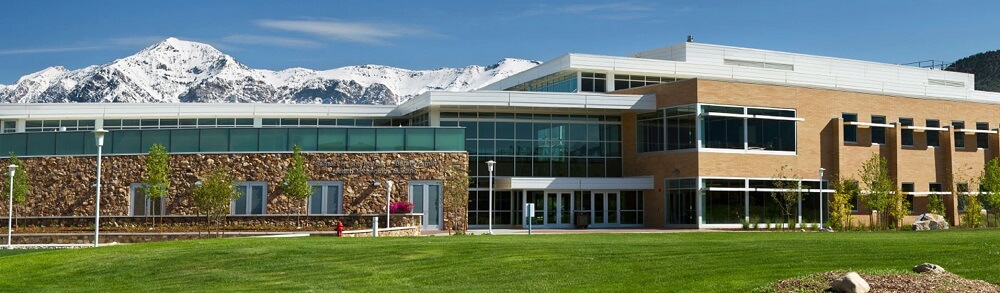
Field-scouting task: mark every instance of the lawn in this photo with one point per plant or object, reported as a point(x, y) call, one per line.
point(591, 262)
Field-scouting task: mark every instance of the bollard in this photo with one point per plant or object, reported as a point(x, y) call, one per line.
point(375, 227)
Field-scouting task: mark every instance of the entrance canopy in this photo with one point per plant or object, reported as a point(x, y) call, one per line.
point(575, 183)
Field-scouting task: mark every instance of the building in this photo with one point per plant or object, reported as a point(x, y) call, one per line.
point(686, 136)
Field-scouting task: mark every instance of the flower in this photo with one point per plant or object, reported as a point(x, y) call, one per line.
point(401, 207)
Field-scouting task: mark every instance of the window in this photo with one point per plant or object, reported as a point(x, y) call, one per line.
point(625, 81)
point(906, 134)
point(253, 200)
point(325, 198)
point(723, 132)
point(959, 135)
point(878, 133)
point(770, 134)
point(593, 82)
point(983, 139)
point(850, 131)
point(908, 192)
point(140, 205)
point(728, 127)
point(933, 138)
point(962, 190)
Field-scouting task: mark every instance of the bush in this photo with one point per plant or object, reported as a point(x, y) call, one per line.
point(754, 223)
point(972, 218)
point(401, 207)
point(744, 224)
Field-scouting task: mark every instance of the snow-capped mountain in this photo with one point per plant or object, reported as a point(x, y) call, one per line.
point(181, 71)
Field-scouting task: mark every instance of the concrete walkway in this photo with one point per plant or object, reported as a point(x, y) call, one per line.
point(508, 231)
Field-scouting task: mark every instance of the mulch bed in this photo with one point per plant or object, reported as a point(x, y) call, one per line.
point(908, 282)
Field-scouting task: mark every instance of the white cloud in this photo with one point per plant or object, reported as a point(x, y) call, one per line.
point(358, 32)
point(271, 40)
point(614, 11)
point(48, 50)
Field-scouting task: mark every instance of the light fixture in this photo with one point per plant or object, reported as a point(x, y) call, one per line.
point(10, 205)
point(489, 165)
point(99, 136)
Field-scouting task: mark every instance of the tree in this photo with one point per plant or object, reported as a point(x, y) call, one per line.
point(878, 183)
point(215, 194)
point(841, 202)
point(21, 187)
point(787, 194)
point(296, 181)
point(972, 218)
point(989, 181)
point(896, 209)
point(157, 180)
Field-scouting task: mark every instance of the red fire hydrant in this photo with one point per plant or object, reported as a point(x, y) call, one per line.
point(340, 229)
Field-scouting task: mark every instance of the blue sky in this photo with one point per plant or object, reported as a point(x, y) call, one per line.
point(433, 34)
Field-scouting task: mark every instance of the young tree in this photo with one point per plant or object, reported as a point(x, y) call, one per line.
point(972, 218)
point(296, 181)
point(21, 187)
point(878, 183)
point(896, 209)
point(787, 195)
point(215, 194)
point(841, 203)
point(157, 180)
point(989, 181)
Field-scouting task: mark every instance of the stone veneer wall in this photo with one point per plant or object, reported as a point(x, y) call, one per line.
point(62, 186)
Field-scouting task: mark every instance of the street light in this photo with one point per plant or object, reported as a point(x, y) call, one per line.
point(821, 197)
point(10, 206)
point(489, 164)
point(99, 135)
point(388, 197)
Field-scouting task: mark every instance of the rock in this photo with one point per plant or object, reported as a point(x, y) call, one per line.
point(930, 222)
point(827, 229)
point(850, 283)
point(928, 268)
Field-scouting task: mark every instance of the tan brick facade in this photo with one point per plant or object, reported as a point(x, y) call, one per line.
point(819, 139)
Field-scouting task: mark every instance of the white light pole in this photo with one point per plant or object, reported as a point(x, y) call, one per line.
point(99, 135)
point(821, 197)
point(10, 206)
point(489, 165)
point(388, 197)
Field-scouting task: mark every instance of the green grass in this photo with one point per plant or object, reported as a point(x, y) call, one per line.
point(589, 262)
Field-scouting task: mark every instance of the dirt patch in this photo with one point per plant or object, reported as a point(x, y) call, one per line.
point(909, 282)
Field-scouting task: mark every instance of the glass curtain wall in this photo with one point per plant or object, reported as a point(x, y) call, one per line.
point(666, 129)
point(729, 201)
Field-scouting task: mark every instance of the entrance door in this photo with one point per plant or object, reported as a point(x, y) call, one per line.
point(426, 199)
point(558, 207)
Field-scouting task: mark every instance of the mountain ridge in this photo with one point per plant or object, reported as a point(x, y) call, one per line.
point(175, 70)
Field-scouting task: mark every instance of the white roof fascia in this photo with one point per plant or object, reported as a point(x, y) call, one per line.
point(529, 99)
point(186, 110)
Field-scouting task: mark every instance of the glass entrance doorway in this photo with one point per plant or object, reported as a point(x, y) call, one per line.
point(552, 209)
point(681, 207)
point(426, 199)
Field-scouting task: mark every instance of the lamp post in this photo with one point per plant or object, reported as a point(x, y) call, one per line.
point(388, 196)
point(10, 205)
point(821, 197)
point(489, 165)
point(99, 135)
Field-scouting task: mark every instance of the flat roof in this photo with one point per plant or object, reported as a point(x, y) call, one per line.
point(497, 100)
point(187, 110)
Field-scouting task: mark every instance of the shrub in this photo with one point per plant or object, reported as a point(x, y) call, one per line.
point(401, 207)
point(935, 205)
point(840, 203)
point(972, 218)
point(754, 223)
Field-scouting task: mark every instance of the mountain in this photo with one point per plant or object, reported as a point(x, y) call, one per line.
point(181, 71)
point(986, 67)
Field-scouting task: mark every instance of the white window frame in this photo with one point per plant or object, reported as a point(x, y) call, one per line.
point(325, 197)
point(148, 203)
point(699, 135)
point(249, 185)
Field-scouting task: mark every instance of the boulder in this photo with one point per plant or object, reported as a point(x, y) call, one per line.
point(930, 222)
point(850, 283)
point(928, 268)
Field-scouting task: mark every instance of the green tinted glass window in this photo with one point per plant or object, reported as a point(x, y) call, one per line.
point(304, 138)
point(150, 137)
point(243, 140)
point(41, 143)
point(360, 139)
point(214, 140)
point(390, 139)
point(449, 139)
point(273, 140)
point(331, 139)
point(71, 143)
point(419, 139)
point(184, 141)
point(126, 142)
